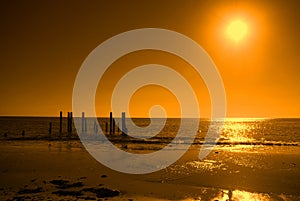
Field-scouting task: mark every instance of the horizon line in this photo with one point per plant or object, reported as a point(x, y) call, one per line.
point(172, 117)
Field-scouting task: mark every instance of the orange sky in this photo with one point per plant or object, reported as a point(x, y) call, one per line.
point(43, 44)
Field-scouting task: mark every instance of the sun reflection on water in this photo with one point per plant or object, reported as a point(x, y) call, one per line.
point(238, 195)
point(235, 130)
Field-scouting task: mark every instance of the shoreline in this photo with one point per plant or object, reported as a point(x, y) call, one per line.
point(154, 140)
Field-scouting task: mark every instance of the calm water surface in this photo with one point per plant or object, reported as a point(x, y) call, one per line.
point(235, 130)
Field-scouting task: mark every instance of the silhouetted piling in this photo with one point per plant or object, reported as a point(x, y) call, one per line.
point(110, 123)
point(95, 126)
point(68, 123)
point(83, 122)
point(60, 122)
point(71, 121)
point(85, 125)
point(113, 127)
point(50, 128)
point(124, 129)
point(106, 127)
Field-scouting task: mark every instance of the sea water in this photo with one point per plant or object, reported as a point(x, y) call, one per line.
point(278, 131)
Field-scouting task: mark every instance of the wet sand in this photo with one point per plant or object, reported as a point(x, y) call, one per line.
point(57, 170)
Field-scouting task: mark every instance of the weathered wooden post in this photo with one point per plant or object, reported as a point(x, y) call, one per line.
point(110, 123)
point(95, 126)
point(71, 119)
point(83, 122)
point(68, 119)
point(114, 127)
point(50, 128)
point(85, 125)
point(68, 122)
point(124, 129)
point(60, 122)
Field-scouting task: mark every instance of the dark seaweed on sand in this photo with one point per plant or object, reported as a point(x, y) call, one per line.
point(67, 193)
point(102, 192)
point(20, 198)
point(30, 191)
point(64, 184)
point(59, 182)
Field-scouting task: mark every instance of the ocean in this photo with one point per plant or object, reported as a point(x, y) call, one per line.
point(254, 159)
point(261, 131)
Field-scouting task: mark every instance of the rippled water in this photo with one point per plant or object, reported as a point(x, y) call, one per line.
point(235, 130)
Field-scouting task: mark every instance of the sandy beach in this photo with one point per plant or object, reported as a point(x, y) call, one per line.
point(121, 100)
point(63, 170)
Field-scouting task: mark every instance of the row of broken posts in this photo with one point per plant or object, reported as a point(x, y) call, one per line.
point(69, 124)
point(110, 127)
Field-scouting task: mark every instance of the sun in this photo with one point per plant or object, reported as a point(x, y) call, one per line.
point(237, 30)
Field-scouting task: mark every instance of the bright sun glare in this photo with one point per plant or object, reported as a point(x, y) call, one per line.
point(237, 30)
